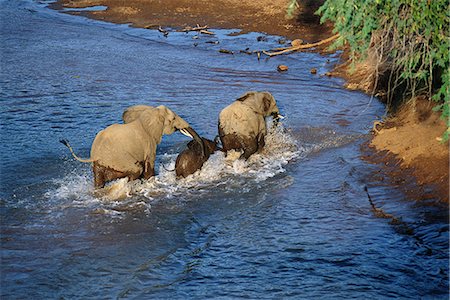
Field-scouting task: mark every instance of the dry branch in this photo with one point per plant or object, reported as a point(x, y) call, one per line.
point(300, 47)
point(198, 28)
point(201, 29)
point(163, 31)
point(207, 32)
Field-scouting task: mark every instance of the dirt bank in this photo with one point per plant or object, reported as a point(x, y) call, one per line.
point(413, 137)
point(267, 16)
point(409, 138)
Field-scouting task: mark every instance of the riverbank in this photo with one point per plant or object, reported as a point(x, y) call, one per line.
point(411, 135)
point(412, 138)
point(267, 16)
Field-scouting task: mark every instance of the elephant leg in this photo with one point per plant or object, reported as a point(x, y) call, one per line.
point(149, 170)
point(99, 176)
point(261, 142)
point(250, 147)
point(104, 174)
point(230, 142)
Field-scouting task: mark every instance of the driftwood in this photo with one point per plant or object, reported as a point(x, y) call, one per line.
point(201, 29)
point(151, 26)
point(207, 32)
point(300, 47)
point(226, 51)
point(163, 31)
point(198, 28)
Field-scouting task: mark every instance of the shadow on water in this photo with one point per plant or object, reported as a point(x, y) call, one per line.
point(293, 221)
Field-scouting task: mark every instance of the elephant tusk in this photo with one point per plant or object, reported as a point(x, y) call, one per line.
point(276, 119)
point(277, 116)
point(186, 133)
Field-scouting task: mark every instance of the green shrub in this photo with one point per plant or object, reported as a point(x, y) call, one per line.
point(410, 40)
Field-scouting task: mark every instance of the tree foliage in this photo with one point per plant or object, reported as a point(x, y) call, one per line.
point(410, 39)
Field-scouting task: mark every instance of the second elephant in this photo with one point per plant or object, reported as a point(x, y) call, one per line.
point(242, 124)
point(191, 159)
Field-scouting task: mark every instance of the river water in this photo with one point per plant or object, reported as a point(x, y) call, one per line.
point(292, 222)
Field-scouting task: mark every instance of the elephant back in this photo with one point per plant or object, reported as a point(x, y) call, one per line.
point(123, 147)
point(132, 113)
point(241, 119)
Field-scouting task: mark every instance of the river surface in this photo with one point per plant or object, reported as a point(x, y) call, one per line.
point(291, 222)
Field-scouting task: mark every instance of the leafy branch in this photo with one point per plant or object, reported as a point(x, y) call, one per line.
point(408, 39)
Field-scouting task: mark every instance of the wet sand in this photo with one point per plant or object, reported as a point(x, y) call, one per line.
point(413, 137)
point(258, 16)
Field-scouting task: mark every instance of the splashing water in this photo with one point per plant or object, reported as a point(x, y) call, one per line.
point(219, 171)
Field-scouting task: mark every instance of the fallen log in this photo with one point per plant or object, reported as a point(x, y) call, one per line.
point(207, 32)
point(300, 47)
point(226, 51)
point(198, 28)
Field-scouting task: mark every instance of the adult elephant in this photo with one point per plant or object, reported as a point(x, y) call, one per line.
point(242, 124)
point(129, 150)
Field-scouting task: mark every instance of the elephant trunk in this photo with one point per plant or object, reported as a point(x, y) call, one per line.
point(198, 139)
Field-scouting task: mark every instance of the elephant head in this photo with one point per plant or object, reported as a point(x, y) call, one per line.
point(133, 112)
point(171, 121)
point(262, 103)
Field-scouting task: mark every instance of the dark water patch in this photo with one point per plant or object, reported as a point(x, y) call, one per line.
point(85, 9)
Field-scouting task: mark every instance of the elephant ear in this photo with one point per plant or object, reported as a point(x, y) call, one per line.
point(267, 101)
point(246, 95)
point(269, 104)
point(153, 123)
point(167, 118)
point(132, 113)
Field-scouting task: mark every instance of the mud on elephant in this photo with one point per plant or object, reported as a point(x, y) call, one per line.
point(129, 150)
point(191, 159)
point(242, 124)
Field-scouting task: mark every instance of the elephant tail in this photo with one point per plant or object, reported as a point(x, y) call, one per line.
point(85, 160)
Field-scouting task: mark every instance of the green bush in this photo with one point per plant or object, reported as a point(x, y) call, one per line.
point(410, 39)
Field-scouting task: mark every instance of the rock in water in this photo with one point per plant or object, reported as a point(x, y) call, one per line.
point(282, 68)
point(296, 42)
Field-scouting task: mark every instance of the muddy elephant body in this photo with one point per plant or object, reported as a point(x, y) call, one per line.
point(191, 159)
point(113, 159)
point(242, 124)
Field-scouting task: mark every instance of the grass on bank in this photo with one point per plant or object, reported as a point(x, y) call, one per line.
point(407, 42)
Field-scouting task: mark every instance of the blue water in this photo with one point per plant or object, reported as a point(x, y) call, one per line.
point(293, 222)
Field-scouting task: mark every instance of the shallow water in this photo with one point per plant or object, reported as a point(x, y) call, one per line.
point(292, 222)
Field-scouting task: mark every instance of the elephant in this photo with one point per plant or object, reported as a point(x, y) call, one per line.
point(242, 124)
point(129, 150)
point(191, 158)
